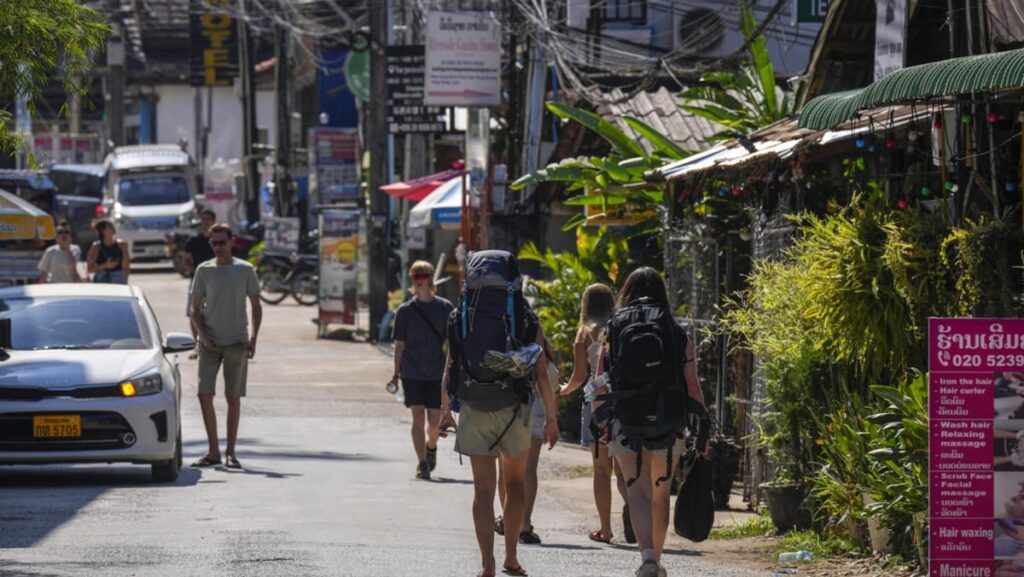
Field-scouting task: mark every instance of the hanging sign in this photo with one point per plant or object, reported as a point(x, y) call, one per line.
point(332, 161)
point(406, 112)
point(976, 446)
point(463, 59)
point(890, 36)
point(213, 36)
point(811, 10)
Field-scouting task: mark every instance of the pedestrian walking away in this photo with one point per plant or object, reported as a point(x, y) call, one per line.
point(219, 291)
point(198, 251)
point(60, 261)
point(643, 405)
point(420, 347)
point(596, 309)
point(108, 259)
point(495, 353)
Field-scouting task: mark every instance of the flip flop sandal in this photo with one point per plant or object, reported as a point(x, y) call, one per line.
point(596, 536)
point(206, 461)
point(529, 538)
point(499, 526)
point(232, 463)
point(516, 571)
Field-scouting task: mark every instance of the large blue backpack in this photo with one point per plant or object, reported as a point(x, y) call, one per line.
point(492, 315)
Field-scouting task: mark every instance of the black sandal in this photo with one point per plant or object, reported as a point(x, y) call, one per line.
point(205, 461)
point(529, 537)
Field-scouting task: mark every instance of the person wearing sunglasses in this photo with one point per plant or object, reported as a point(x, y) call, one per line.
point(220, 288)
point(108, 260)
point(419, 360)
point(60, 261)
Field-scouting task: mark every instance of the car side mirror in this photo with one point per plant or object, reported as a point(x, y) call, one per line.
point(178, 343)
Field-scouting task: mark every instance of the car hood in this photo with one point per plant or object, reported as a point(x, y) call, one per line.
point(59, 368)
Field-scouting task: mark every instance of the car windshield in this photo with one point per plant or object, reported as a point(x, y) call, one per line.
point(75, 323)
point(152, 190)
point(78, 183)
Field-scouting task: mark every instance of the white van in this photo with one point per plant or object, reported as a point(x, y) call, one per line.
point(150, 192)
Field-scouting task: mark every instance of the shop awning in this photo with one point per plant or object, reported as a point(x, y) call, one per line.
point(419, 188)
point(443, 206)
point(1001, 70)
point(20, 220)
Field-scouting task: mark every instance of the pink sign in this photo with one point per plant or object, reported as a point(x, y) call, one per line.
point(976, 446)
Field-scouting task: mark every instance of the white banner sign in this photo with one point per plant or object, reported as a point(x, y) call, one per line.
point(463, 60)
point(890, 36)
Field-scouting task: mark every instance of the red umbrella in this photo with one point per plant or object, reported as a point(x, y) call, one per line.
point(418, 188)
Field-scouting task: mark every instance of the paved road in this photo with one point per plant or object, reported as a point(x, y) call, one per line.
point(328, 487)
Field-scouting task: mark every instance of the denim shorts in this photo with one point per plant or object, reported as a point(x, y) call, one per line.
point(110, 277)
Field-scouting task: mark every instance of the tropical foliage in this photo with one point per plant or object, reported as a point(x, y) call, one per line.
point(42, 42)
point(744, 100)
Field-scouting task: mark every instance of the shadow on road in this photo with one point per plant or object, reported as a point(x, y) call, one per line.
point(445, 481)
point(36, 500)
point(16, 569)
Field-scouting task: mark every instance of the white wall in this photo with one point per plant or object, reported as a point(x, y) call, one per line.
point(175, 118)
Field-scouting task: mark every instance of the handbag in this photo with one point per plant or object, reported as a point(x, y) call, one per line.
point(695, 504)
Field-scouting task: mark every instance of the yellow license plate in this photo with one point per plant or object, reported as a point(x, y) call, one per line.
point(56, 426)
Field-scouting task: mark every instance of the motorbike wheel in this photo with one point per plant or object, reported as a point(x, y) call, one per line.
point(306, 289)
point(273, 288)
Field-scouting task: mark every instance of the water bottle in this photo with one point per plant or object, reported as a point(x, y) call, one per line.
point(795, 556)
point(392, 386)
point(400, 396)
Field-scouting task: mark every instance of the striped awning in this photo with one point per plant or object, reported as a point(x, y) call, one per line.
point(1001, 70)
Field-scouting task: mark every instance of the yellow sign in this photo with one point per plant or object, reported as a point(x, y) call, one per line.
point(20, 220)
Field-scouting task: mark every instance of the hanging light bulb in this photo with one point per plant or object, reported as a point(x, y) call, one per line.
point(890, 142)
point(903, 204)
point(938, 121)
point(1010, 186)
point(859, 142)
point(926, 191)
point(965, 118)
point(993, 118)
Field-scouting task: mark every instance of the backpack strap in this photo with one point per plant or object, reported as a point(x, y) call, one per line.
point(515, 415)
point(463, 307)
point(510, 309)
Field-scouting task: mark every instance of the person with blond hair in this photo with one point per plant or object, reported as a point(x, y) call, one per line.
point(419, 361)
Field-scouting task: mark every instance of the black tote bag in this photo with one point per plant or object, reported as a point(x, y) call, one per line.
point(695, 504)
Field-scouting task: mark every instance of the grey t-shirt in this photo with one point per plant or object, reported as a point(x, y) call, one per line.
point(423, 359)
point(224, 289)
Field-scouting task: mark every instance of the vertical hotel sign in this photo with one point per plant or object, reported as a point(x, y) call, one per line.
point(976, 447)
point(214, 43)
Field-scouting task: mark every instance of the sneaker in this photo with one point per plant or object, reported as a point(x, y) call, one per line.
point(423, 471)
point(648, 569)
point(627, 526)
point(432, 458)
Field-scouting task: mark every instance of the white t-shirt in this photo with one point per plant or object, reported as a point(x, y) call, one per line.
point(60, 265)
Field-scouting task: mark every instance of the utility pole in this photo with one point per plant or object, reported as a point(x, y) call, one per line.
point(115, 85)
point(283, 149)
point(250, 188)
point(377, 144)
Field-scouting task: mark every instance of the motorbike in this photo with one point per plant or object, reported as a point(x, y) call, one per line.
point(248, 236)
point(176, 242)
point(296, 274)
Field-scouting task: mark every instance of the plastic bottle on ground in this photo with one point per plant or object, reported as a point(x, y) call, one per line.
point(795, 556)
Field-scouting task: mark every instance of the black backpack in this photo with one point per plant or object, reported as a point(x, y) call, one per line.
point(492, 316)
point(648, 395)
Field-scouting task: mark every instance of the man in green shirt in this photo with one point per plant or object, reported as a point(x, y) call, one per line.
point(219, 291)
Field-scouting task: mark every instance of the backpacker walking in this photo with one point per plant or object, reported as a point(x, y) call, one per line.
point(654, 391)
point(494, 418)
point(419, 361)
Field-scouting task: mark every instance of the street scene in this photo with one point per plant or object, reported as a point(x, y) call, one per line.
point(512, 287)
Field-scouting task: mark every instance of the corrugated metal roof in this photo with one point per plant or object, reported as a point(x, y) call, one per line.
point(944, 78)
point(660, 110)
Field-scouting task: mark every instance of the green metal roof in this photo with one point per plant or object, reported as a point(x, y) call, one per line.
point(943, 78)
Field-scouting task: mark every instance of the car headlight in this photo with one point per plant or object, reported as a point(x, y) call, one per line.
point(150, 384)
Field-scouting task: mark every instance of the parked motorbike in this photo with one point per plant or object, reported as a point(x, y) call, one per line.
point(176, 242)
point(249, 236)
point(297, 275)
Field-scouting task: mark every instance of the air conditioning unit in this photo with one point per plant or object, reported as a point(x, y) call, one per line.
point(700, 28)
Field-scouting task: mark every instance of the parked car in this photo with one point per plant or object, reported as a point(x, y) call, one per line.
point(86, 377)
point(150, 191)
point(79, 198)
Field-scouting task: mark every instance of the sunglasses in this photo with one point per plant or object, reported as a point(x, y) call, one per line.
point(63, 231)
point(420, 276)
point(218, 242)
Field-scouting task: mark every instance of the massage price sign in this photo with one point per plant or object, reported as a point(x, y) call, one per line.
point(976, 447)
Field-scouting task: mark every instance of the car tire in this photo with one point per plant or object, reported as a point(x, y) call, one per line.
point(167, 471)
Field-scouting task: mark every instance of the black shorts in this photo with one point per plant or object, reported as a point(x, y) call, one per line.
point(426, 393)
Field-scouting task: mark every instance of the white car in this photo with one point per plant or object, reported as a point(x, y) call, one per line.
point(87, 377)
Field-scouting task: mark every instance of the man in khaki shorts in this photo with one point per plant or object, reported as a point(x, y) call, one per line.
point(219, 291)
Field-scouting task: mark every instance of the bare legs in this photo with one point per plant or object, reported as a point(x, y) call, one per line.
point(485, 484)
point(603, 466)
point(648, 504)
point(531, 483)
point(210, 422)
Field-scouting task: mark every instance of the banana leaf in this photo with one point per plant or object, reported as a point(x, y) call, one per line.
point(618, 139)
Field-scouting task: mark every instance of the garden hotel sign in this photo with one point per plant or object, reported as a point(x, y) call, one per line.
point(976, 446)
point(463, 60)
point(890, 36)
point(214, 43)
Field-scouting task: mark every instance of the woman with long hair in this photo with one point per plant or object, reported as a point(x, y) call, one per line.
point(648, 498)
point(596, 308)
point(108, 259)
